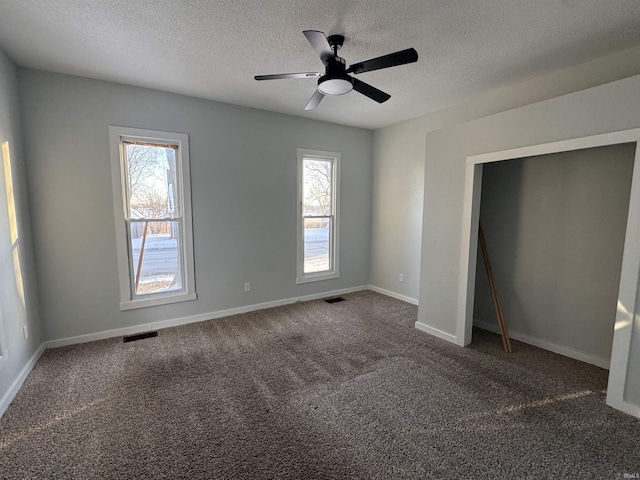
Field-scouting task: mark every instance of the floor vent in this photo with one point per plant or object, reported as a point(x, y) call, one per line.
point(139, 336)
point(334, 300)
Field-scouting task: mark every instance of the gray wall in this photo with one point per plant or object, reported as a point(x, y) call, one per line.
point(243, 173)
point(13, 313)
point(606, 108)
point(554, 227)
point(399, 162)
point(397, 209)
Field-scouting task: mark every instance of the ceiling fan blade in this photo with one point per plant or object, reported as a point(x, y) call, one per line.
point(315, 100)
point(368, 91)
point(393, 59)
point(320, 44)
point(279, 76)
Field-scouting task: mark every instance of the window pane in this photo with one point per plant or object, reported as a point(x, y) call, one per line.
point(152, 185)
point(317, 244)
point(317, 193)
point(157, 244)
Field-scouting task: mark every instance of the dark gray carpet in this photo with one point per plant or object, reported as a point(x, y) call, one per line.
point(314, 390)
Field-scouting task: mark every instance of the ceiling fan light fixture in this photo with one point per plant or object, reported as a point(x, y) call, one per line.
point(335, 86)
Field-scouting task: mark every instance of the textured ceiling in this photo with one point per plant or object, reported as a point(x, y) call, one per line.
point(213, 48)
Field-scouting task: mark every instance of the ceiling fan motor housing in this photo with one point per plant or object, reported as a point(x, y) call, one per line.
point(335, 81)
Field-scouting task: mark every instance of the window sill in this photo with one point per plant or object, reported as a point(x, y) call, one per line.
point(153, 302)
point(310, 277)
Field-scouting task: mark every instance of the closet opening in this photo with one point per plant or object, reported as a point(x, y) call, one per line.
point(623, 374)
point(554, 227)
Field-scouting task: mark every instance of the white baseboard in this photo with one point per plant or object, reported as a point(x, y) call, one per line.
point(176, 322)
point(437, 333)
point(8, 397)
point(389, 293)
point(552, 347)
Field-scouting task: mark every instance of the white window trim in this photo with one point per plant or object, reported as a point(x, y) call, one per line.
point(116, 136)
point(302, 277)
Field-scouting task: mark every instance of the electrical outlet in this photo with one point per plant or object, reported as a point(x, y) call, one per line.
point(247, 287)
point(401, 277)
point(25, 332)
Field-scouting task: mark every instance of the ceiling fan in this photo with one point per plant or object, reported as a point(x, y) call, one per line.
point(336, 79)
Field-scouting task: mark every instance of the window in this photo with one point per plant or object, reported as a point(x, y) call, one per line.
point(318, 180)
point(15, 241)
point(152, 198)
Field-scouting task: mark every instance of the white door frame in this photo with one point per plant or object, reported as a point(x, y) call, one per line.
point(629, 277)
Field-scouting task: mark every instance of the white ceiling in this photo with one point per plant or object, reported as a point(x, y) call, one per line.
point(213, 48)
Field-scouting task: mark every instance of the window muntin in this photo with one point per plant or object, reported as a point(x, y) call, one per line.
point(317, 218)
point(153, 217)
